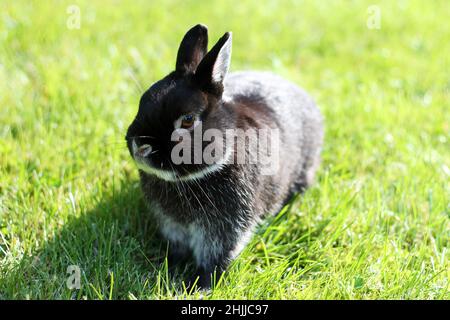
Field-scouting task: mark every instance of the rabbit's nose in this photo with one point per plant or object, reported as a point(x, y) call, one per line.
point(144, 150)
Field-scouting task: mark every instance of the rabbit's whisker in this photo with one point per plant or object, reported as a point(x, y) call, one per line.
point(133, 137)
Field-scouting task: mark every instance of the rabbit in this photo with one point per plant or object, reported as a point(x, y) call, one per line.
point(208, 211)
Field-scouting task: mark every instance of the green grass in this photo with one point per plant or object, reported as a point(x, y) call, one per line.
point(375, 226)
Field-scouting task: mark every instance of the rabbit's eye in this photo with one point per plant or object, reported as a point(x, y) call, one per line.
point(188, 121)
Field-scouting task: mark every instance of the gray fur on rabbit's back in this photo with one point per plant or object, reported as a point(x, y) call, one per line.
point(296, 116)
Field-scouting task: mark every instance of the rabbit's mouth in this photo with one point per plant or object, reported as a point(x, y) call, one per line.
point(142, 156)
point(167, 175)
point(163, 168)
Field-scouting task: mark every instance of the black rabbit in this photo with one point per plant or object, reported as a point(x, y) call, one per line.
point(208, 209)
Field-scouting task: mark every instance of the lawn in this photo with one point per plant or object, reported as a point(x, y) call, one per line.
point(376, 225)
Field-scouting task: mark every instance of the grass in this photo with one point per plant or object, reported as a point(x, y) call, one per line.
point(375, 226)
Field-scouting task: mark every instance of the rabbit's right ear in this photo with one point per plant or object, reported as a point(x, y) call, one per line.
point(193, 48)
point(212, 70)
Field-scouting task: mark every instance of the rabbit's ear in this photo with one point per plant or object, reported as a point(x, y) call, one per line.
point(192, 49)
point(213, 68)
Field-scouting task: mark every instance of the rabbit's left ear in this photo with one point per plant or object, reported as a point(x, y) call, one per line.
point(192, 49)
point(213, 68)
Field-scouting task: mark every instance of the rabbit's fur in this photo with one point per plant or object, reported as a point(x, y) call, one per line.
point(205, 211)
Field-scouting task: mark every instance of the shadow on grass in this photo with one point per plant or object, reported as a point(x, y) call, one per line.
point(119, 253)
point(115, 246)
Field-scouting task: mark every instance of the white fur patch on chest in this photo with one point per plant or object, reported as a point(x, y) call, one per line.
point(205, 247)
